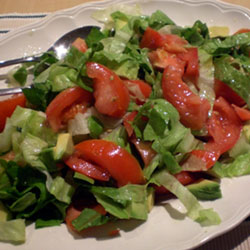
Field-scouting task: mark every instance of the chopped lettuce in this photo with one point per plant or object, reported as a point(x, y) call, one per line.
point(13, 231)
point(238, 167)
point(231, 71)
point(218, 46)
point(126, 202)
point(61, 190)
point(206, 217)
point(89, 218)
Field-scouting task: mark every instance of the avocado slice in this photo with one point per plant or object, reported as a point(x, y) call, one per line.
point(64, 146)
point(4, 213)
point(205, 190)
point(150, 198)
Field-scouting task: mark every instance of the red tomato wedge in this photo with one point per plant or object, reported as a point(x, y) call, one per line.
point(244, 30)
point(121, 165)
point(160, 58)
point(138, 89)
point(192, 64)
point(80, 44)
point(76, 163)
point(127, 120)
point(152, 39)
point(62, 102)
point(224, 127)
point(203, 160)
point(111, 94)
point(222, 89)
point(244, 114)
point(8, 106)
point(193, 110)
point(145, 150)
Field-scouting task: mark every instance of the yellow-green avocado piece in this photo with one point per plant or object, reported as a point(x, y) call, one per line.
point(64, 146)
point(205, 190)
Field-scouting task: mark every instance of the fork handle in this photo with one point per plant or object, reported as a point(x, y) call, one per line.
point(11, 91)
point(19, 60)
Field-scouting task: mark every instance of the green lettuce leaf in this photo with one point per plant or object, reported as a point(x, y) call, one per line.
point(89, 218)
point(126, 202)
point(12, 231)
point(238, 167)
point(218, 46)
point(61, 190)
point(206, 217)
point(231, 71)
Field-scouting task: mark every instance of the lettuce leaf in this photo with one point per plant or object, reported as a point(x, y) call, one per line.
point(89, 218)
point(231, 71)
point(218, 46)
point(238, 167)
point(126, 202)
point(12, 231)
point(206, 217)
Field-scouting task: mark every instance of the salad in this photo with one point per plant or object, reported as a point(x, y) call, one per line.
point(140, 110)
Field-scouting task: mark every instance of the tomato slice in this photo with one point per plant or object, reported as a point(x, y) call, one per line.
point(122, 166)
point(145, 150)
point(111, 95)
point(80, 44)
point(222, 89)
point(224, 127)
point(62, 102)
point(138, 89)
point(76, 163)
point(127, 120)
point(160, 58)
point(244, 114)
point(192, 64)
point(244, 30)
point(193, 110)
point(152, 39)
point(8, 106)
point(202, 160)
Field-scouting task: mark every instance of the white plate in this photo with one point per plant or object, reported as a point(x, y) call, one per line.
point(165, 228)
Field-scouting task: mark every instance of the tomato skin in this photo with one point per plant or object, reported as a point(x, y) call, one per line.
point(80, 44)
point(192, 64)
point(160, 58)
point(152, 39)
point(111, 95)
point(86, 168)
point(127, 120)
point(244, 30)
point(121, 165)
point(184, 177)
point(243, 114)
point(222, 89)
point(144, 88)
point(145, 150)
point(62, 102)
point(205, 157)
point(193, 110)
point(224, 127)
point(8, 106)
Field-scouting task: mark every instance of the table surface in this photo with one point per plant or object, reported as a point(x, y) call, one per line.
point(29, 6)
